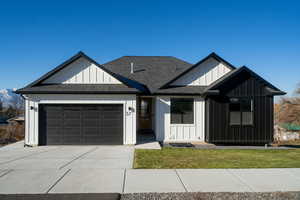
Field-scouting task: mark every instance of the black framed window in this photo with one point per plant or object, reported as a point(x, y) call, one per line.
point(182, 110)
point(241, 111)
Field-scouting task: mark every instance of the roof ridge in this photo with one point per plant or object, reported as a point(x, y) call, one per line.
point(144, 56)
point(119, 58)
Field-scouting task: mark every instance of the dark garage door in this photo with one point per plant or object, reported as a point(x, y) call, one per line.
point(80, 124)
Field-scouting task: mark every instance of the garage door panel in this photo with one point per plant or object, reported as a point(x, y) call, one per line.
point(90, 113)
point(90, 122)
point(72, 140)
point(106, 141)
point(110, 123)
point(91, 131)
point(55, 115)
point(72, 115)
point(55, 131)
point(72, 131)
point(72, 122)
point(111, 114)
point(54, 141)
point(54, 122)
point(110, 131)
point(81, 124)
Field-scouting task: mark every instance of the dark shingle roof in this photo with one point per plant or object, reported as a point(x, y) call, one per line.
point(79, 88)
point(151, 71)
point(182, 90)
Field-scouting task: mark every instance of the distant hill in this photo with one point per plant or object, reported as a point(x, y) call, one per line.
point(9, 98)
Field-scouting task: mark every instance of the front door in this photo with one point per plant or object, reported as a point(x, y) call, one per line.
point(145, 114)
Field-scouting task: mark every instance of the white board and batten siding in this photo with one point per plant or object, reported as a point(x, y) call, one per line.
point(32, 115)
point(82, 71)
point(204, 74)
point(167, 132)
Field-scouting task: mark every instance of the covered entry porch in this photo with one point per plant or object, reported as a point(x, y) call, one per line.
point(145, 119)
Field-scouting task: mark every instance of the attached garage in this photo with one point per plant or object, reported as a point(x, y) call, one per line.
point(69, 119)
point(73, 124)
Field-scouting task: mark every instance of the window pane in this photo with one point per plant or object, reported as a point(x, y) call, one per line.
point(235, 118)
point(234, 106)
point(247, 118)
point(246, 105)
point(176, 118)
point(188, 118)
point(182, 111)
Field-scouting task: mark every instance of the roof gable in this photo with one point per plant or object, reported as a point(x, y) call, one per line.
point(214, 87)
point(65, 64)
point(212, 55)
point(204, 74)
point(80, 55)
point(81, 71)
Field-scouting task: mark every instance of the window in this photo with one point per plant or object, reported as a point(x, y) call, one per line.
point(241, 111)
point(182, 111)
point(145, 109)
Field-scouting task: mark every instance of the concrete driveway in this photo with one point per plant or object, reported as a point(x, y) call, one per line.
point(63, 169)
point(106, 169)
point(15, 156)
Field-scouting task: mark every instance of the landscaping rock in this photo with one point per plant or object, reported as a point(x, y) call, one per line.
point(213, 196)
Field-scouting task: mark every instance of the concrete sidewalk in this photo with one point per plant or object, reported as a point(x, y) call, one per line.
point(143, 181)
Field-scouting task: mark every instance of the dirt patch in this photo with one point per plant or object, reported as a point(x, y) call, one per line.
point(11, 133)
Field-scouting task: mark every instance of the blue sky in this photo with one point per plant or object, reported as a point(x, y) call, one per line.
point(36, 36)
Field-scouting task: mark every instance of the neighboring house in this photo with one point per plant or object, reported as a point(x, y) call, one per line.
point(83, 102)
point(19, 120)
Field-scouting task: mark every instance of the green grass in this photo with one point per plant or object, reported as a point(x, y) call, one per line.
point(169, 158)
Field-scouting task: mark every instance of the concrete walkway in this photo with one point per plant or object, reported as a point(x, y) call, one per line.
point(100, 169)
point(136, 181)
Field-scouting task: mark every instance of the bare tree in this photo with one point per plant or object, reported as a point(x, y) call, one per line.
point(18, 104)
point(288, 111)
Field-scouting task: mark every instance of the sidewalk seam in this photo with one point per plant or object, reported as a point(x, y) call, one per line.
point(241, 180)
point(20, 158)
point(124, 179)
point(7, 172)
point(80, 156)
point(58, 181)
point(180, 180)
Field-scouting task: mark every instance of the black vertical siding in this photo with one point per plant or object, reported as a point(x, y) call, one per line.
point(218, 129)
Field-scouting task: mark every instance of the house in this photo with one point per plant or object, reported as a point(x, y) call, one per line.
point(83, 102)
point(18, 120)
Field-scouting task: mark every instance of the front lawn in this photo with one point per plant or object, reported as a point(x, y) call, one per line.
point(168, 158)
